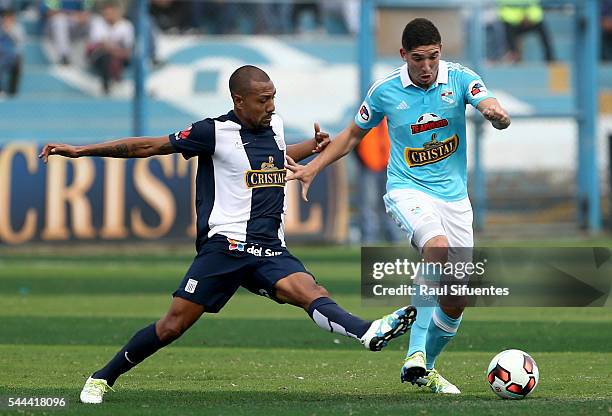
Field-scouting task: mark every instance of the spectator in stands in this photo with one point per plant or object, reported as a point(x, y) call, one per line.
point(11, 42)
point(6, 5)
point(67, 21)
point(351, 10)
point(521, 17)
point(151, 29)
point(306, 16)
point(606, 30)
point(173, 16)
point(275, 18)
point(111, 39)
point(495, 32)
point(334, 16)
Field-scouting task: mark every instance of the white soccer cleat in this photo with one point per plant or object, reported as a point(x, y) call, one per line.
point(93, 390)
point(437, 383)
point(413, 368)
point(388, 327)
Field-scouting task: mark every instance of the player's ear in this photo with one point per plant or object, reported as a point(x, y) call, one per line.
point(403, 54)
point(238, 100)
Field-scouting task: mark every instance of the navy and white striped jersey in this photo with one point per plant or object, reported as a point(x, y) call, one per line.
point(240, 183)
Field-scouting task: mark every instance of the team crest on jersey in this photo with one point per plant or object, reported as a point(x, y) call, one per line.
point(183, 134)
point(477, 89)
point(268, 176)
point(427, 122)
point(447, 96)
point(364, 113)
point(432, 151)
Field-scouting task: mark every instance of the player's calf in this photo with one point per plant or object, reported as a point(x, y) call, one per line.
point(330, 317)
point(181, 315)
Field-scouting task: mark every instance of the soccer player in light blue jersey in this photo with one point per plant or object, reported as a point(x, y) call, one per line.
point(424, 102)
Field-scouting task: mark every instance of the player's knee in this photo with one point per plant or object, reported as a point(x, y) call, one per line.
point(308, 295)
point(320, 292)
point(169, 328)
point(436, 249)
point(454, 311)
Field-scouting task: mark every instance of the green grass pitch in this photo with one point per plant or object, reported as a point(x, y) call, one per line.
point(62, 317)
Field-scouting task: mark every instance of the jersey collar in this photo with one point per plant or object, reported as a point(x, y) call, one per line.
point(232, 116)
point(442, 77)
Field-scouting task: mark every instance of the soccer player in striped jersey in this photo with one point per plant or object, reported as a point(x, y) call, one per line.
point(424, 101)
point(240, 203)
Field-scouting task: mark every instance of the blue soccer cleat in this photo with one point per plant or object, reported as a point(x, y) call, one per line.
point(388, 327)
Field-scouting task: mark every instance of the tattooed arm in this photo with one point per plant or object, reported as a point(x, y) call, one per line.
point(124, 148)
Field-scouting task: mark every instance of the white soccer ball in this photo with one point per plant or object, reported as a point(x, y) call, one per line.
point(513, 374)
point(427, 117)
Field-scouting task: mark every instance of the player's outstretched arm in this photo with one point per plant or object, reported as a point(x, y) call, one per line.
point(339, 147)
point(123, 148)
point(301, 151)
point(492, 110)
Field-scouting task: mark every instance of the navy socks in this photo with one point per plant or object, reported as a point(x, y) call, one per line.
point(143, 344)
point(329, 316)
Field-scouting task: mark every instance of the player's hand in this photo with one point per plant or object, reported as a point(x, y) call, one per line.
point(300, 173)
point(57, 149)
point(498, 117)
point(321, 139)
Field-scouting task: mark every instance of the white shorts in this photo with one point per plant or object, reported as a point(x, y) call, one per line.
point(423, 217)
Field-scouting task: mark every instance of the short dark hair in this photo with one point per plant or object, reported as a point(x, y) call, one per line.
point(420, 32)
point(240, 80)
point(7, 12)
point(109, 3)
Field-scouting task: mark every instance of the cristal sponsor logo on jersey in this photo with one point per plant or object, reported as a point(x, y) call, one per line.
point(183, 134)
point(477, 89)
point(432, 151)
point(427, 122)
point(364, 112)
point(268, 176)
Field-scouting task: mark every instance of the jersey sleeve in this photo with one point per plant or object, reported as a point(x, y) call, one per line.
point(197, 139)
point(474, 89)
point(370, 112)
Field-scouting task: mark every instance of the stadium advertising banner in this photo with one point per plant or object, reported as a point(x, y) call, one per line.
point(105, 199)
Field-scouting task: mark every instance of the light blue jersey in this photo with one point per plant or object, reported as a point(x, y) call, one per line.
point(426, 128)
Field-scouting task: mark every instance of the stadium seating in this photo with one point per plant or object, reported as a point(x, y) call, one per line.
point(56, 102)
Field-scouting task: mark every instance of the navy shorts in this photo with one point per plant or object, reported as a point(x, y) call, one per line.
point(223, 265)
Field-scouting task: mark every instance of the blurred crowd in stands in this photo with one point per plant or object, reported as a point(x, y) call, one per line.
point(100, 33)
point(223, 17)
point(508, 22)
point(12, 38)
point(606, 30)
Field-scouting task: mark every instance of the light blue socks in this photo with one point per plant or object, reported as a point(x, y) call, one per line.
point(425, 306)
point(442, 328)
